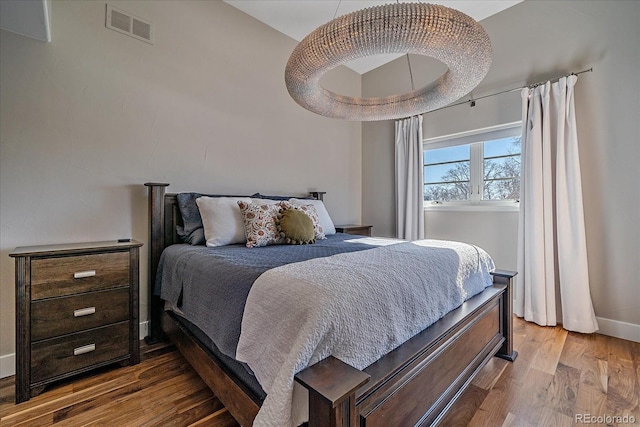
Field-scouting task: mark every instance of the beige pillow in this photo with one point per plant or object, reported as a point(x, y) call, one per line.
point(222, 220)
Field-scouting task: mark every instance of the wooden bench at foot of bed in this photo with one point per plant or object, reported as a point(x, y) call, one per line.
point(415, 384)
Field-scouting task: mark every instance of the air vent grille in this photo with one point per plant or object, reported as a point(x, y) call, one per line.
point(120, 21)
point(141, 29)
point(125, 23)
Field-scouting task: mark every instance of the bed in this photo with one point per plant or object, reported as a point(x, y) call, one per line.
point(413, 384)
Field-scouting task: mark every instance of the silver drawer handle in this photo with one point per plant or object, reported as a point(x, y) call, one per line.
point(84, 311)
point(84, 349)
point(81, 274)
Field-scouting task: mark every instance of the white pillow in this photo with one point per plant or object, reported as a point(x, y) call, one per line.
point(323, 214)
point(264, 201)
point(222, 220)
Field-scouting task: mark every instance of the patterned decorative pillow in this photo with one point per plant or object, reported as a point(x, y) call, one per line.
point(313, 214)
point(260, 224)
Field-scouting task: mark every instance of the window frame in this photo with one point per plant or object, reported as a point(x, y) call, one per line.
point(475, 140)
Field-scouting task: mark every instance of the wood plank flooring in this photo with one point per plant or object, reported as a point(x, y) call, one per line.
point(557, 377)
point(163, 390)
point(560, 378)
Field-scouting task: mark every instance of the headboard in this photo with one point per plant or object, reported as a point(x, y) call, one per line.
point(164, 216)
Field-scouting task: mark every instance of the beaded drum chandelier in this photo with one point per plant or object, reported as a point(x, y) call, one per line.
point(436, 31)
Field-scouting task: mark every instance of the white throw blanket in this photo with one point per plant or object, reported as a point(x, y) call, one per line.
point(355, 306)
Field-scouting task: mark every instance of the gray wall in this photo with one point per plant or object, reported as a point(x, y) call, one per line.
point(91, 116)
point(534, 41)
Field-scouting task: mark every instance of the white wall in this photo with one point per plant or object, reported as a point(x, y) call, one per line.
point(91, 116)
point(534, 41)
point(492, 231)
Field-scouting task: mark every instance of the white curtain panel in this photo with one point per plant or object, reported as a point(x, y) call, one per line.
point(553, 281)
point(409, 179)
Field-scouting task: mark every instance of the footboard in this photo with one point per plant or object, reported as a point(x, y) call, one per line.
point(419, 381)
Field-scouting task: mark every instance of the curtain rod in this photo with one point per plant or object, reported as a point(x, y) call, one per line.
point(472, 101)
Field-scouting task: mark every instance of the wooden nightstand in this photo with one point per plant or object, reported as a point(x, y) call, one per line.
point(76, 310)
point(363, 230)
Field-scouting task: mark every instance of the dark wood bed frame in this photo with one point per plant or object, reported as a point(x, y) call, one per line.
point(415, 384)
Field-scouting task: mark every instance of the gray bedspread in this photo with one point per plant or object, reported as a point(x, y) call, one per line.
point(211, 285)
point(356, 307)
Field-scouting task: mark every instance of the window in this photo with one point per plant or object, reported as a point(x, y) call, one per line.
point(478, 168)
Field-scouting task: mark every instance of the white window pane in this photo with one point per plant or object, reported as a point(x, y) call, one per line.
point(502, 147)
point(447, 172)
point(502, 167)
point(447, 192)
point(502, 189)
point(449, 154)
point(501, 173)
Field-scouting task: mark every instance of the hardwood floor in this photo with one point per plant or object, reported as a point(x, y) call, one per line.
point(163, 390)
point(558, 377)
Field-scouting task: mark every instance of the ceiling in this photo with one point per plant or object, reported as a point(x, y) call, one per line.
point(29, 18)
point(298, 18)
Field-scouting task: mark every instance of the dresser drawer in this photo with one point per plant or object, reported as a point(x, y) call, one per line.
point(54, 277)
point(64, 315)
point(57, 356)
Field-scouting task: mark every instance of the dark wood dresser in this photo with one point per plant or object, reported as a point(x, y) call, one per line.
point(76, 310)
point(362, 230)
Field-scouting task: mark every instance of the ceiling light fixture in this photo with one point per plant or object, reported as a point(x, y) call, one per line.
point(445, 34)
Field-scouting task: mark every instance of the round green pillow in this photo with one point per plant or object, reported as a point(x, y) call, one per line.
point(296, 227)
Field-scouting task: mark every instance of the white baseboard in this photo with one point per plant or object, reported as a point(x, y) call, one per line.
point(144, 329)
point(7, 365)
point(615, 328)
point(8, 361)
